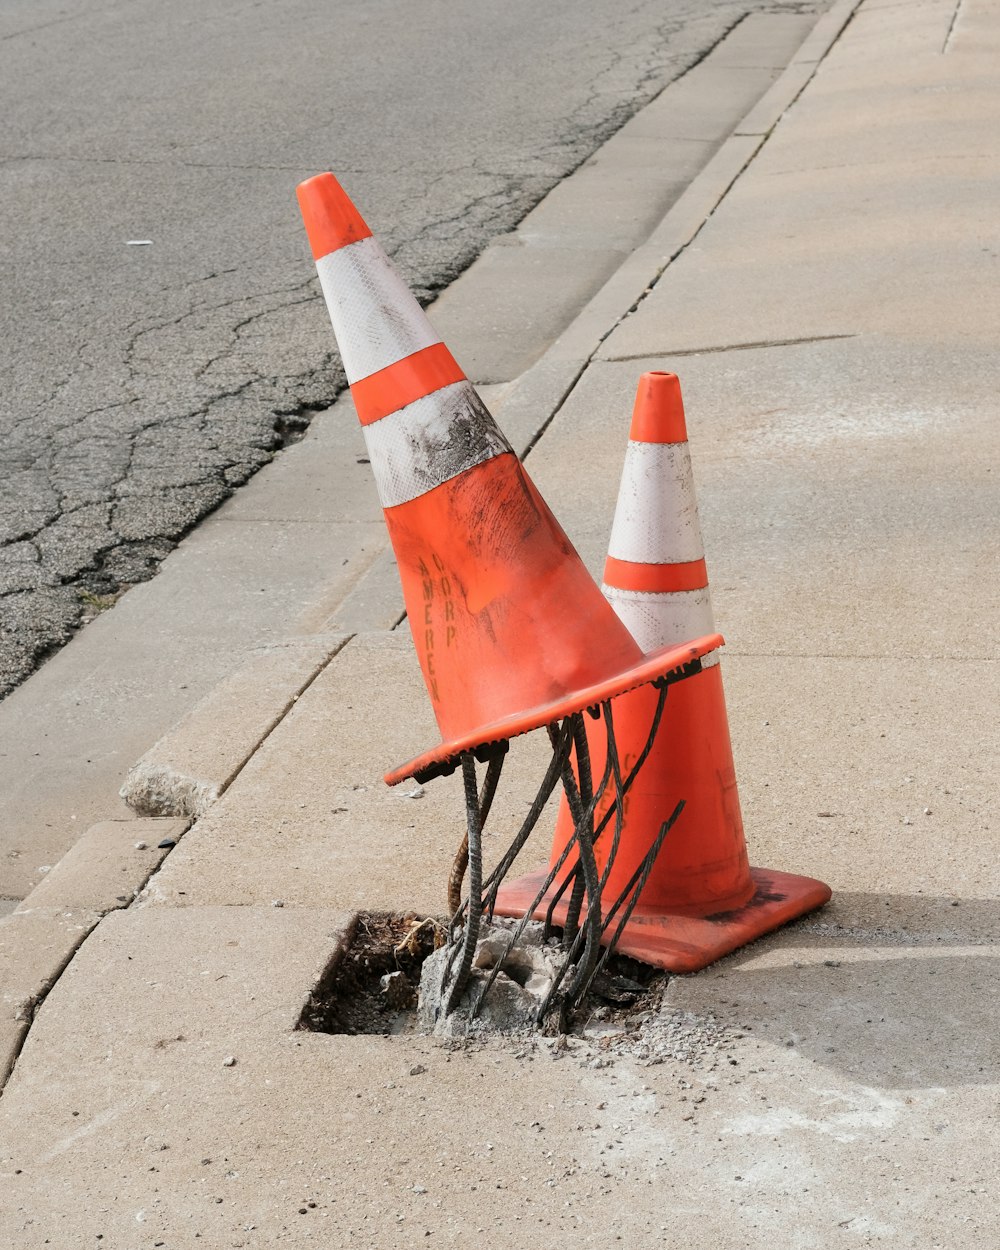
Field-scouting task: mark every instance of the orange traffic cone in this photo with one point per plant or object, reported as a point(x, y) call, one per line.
point(511, 631)
point(701, 899)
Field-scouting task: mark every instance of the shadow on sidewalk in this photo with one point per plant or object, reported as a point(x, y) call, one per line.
point(892, 1005)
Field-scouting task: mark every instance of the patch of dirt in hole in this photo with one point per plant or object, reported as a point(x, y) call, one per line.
point(372, 986)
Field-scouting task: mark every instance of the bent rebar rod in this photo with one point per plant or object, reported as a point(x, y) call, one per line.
point(633, 888)
point(662, 688)
point(587, 882)
point(475, 905)
point(487, 794)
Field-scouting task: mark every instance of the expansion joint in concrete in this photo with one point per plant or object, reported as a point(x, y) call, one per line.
point(738, 347)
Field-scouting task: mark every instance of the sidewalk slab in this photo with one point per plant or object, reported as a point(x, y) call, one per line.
point(863, 214)
point(35, 947)
point(864, 772)
point(807, 460)
point(811, 1112)
point(103, 871)
point(185, 772)
point(310, 823)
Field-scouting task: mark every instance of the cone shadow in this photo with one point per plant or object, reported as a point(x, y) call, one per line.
point(903, 1009)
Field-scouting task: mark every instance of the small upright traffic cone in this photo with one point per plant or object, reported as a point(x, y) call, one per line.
point(701, 899)
point(511, 631)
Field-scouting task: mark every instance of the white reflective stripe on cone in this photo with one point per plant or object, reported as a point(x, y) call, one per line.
point(656, 520)
point(375, 317)
point(660, 618)
point(430, 441)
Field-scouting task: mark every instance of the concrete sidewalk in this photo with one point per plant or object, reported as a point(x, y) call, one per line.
point(296, 558)
point(827, 290)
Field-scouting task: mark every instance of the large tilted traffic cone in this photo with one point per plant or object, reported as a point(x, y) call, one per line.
point(701, 899)
point(511, 631)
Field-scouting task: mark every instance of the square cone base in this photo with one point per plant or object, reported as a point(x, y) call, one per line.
point(683, 943)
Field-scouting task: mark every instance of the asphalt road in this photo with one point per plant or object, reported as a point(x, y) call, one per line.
point(157, 347)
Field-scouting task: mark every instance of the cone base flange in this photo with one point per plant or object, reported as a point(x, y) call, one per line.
point(689, 943)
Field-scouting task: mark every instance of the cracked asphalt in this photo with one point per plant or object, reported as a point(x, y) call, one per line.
point(158, 344)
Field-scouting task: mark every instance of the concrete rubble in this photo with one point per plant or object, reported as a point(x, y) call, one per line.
point(525, 972)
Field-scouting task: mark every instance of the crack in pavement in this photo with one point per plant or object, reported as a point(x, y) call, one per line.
point(735, 347)
point(145, 384)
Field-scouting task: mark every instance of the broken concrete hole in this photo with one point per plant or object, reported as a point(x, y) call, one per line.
point(387, 980)
point(370, 986)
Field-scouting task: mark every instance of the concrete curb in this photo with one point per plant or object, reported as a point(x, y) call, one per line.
point(103, 872)
point(545, 386)
point(191, 766)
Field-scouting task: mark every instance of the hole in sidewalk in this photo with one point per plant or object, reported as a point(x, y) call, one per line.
point(371, 986)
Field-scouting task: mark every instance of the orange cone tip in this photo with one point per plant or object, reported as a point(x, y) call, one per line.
point(331, 219)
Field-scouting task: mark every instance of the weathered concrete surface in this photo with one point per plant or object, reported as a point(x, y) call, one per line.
point(808, 460)
point(302, 547)
point(836, 1111)
point(35, 946)
point(102, 872)
point(106, 868)
point(849, 1097)
point(864, 216)
point(185, 772)
point(309, 822)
